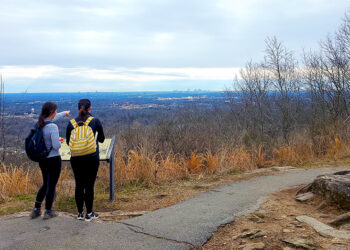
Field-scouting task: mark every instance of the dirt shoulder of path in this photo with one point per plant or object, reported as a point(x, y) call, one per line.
point(276, 219)
point(136, 199)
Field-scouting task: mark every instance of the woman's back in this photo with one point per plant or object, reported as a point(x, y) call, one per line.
point(95, 125)
point(51, 135)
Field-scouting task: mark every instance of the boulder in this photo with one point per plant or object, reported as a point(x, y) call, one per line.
point(333, 187)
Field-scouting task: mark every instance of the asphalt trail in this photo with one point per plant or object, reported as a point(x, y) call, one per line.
point(188, 223)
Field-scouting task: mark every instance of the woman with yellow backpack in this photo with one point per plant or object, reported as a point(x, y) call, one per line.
point(83, 134)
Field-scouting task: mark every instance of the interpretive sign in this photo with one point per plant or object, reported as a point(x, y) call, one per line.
point(103, 148)
point(106, 154)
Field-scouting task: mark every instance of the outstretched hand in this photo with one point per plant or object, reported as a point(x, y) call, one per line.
point(67, 113)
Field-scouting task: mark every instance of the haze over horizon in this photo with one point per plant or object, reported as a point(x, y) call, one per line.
point(135, 45)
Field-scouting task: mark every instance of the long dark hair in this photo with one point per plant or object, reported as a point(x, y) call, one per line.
point(83, 106)
point(47, 109)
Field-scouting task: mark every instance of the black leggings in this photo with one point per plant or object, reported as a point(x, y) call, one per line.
point(85, 170)
point(50, 169)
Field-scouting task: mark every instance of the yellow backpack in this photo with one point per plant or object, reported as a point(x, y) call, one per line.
point(82, 139)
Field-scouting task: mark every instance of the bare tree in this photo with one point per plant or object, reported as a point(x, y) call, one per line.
point(336, 70)
point(343, 34)
point(317, 87)
point(255, 86)
point(2, 118)
point(281, 65)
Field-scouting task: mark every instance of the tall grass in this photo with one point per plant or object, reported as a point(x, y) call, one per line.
point(148, 168)
point(13, 181)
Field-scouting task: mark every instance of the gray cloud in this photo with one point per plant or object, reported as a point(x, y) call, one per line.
point(135, 34)
point(159, 33)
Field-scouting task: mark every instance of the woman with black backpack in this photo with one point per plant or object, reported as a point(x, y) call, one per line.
point(83, 134)
point(50, 165)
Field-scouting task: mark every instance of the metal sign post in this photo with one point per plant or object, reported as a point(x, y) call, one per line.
point(106, 154)
point(110, 159)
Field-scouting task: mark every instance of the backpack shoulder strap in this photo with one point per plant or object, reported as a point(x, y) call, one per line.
point(47, 122)
point(74, 123)
point(88, 120)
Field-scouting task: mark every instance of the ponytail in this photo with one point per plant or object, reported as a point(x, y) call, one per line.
point(47, 109)
point(83, 106)
point(83, 111)
point(41, 121)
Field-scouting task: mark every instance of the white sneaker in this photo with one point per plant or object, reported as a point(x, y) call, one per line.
point(80, 216)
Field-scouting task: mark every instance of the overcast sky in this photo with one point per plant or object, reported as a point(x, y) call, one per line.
point(138, 45)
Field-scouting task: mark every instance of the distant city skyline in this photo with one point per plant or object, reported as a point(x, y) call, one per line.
point(141, 45)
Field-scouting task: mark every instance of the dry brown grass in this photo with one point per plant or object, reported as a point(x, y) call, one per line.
point(142, 166)
point(332, 149)
point(337, 149)
point(13, 181)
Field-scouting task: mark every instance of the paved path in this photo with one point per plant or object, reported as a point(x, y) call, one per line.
point(186, 224)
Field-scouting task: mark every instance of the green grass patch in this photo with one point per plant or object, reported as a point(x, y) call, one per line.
point(24, 198)
point(234, 172)
point(200, 187)
point(11, 210)
point(15, 206)
point(322, 163)
point(66, 204)
point(130, 188)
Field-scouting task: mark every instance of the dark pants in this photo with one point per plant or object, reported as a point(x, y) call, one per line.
point(50, 169)
point(85, 170)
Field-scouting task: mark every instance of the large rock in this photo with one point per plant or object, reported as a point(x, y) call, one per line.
point(333, 187)
point(323, 229)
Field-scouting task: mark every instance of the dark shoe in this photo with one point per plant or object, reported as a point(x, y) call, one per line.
point(90, 216)
point(50, 214)
point(35, 213)
point(80, 216)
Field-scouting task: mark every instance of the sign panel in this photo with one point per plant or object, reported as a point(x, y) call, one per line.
point(104, 148)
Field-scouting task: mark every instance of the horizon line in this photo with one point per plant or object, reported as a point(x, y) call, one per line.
point(131, 91)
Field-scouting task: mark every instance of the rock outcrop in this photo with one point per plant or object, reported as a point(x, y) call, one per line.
point(333, 187)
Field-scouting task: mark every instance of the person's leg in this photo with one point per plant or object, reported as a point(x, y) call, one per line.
point(54, 171)
point(90, 182)
point(79, 183)
point(85, 163)
point(42, 191)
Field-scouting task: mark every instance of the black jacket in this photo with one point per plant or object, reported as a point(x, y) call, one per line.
point(95, 125)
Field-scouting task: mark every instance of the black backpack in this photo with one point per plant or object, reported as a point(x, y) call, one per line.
point(35, 145)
